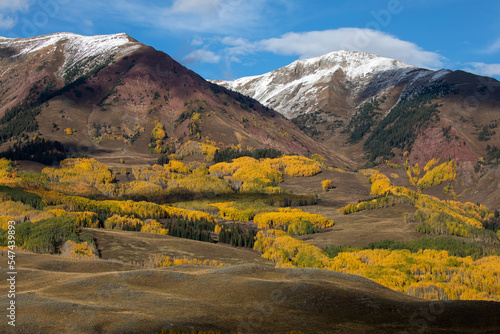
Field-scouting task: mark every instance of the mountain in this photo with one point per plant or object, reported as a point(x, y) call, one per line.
point(307, 85)
point(104, 95)
point(373, 108)
point(246, 245)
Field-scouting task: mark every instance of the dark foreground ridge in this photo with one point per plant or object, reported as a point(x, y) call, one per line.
point(58, 295)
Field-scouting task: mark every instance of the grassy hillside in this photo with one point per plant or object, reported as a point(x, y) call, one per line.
point(151, 233)
point(96, 296)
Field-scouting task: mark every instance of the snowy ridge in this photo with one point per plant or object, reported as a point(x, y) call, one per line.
point(85, 51)
point(355, 64)
point(296, 88)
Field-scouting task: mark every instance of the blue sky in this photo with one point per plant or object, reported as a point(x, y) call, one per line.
point(228, 39)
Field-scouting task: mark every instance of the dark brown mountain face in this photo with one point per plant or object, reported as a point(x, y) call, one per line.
point(105, 94)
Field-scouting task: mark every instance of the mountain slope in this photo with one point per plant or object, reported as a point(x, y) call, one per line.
point(107, 93)
point(107, 297)
point(304, 85)
point(374, 108)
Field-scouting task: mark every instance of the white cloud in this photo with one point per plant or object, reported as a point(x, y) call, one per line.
point(316, 43)
point(491, 70)
point(15, 5)
point(9, 10)
point(7, 22)
point(493, 47)
point(239, 46)
point(200, 16)
point(202, 56)
point(194, 6)
point(197, 41)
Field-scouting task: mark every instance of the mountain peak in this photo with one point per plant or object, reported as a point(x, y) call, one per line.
point(32, 44)
point(291, 89)
point(354, 64)
point(85, 52)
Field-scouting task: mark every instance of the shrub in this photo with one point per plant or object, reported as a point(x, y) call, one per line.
point(326, 184)
point(79, 250)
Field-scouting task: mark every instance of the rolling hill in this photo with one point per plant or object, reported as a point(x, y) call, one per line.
point(96, 296)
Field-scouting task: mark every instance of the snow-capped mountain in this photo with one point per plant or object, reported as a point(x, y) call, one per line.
point(106, 92)
point(304, 85)
point(367, 106)
point(80, 53)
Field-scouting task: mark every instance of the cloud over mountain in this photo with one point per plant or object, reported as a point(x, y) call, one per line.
point(316, 43)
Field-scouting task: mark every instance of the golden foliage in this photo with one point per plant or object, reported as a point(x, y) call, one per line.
point(79, 250)
point(223, 169)
point(326, 184)
point(297, 166)
point(438, 217)
point(190, 215)
point(191, 147)
point(162, 261)
point(442, 173)
point(416, 170)
point(253, 171)
point(141, 188)
point(302, 170)
point(159, 175)
point(57, 212)
point(433, 176)
point(88, 171)
point(287, 251)
point(85, 218)
point(117, 222)
point(381, 184)
point(247, 174)
point(287, 216)
point(376, 203)
point(218, 228)
point(242, 210)
point(430, 163)
point(152, 226)
point(175, 175)
point(229, 212)
point(175, 166)
point(4, 221)
point(140, 209)
point(200, 182)
point(411, 179)
point(19, 211)
point(8, 172)
point(158, 132)
point(427, 274)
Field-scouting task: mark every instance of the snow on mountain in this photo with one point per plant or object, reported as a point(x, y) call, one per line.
point(86, 52)
point(296, 88)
